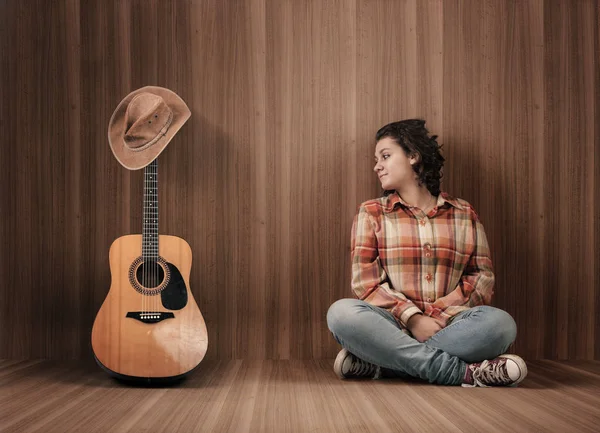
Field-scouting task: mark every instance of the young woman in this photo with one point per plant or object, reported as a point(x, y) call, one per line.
point(423, 276)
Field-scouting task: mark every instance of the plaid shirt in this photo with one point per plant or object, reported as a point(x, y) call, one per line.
point(409, 263)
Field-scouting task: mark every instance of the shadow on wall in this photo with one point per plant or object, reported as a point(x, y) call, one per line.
point(492, 192)
point(202, 173)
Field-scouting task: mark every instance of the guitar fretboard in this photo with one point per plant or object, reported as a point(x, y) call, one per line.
point(150, 229)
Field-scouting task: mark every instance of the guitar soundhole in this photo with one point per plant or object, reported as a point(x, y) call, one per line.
point(150, 274)
point(149, 277)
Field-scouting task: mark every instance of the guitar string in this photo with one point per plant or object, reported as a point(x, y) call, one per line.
point(149, 237)
point(151, 255)
point(157, 299)
point(155, 226)
point(145, 237)
point(150, 215)
point(152, 245)
point(153, 237)
point(152, 231)
point(144, 225)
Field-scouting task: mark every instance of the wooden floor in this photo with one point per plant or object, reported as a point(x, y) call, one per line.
point(292, 396)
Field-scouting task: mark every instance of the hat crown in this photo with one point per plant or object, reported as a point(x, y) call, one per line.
point(147, 119)
point(144, 123)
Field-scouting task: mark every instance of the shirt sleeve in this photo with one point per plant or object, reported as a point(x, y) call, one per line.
point(369, 279)
point(476, 285)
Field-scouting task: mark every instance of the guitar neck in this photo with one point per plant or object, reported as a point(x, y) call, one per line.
point(150, 225)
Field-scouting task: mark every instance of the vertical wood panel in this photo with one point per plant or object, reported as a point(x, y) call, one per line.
point(11, 73)
point(493, 117)
point(312, 45)
point(264, 179)
point(570, 31)
point(596, 196)
point(74, 238)
point(280, 63)
point(207, 150)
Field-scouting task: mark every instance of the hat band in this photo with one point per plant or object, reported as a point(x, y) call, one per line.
point(160, 135)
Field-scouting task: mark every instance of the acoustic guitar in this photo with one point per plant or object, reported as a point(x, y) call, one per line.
point(149, 327)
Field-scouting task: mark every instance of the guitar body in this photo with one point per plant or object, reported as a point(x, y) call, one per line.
point(149, 329)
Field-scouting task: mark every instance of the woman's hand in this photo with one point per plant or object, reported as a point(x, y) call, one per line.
point(422, 327)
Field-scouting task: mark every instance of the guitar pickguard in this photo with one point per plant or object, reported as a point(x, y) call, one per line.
point(174, 296)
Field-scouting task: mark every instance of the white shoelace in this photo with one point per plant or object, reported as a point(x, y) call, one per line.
point(491, 373)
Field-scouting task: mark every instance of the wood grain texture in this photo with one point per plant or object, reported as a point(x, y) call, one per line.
point(264, 179)
point(292, 396)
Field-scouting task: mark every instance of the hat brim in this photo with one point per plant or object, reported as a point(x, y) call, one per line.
point(134, 160)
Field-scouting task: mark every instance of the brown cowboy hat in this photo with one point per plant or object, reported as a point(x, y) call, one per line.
point(144, 123)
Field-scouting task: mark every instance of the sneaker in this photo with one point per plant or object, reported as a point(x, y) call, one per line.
point(506, 370)
point(347, 365)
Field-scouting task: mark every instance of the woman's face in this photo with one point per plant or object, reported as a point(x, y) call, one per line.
point(392, 166)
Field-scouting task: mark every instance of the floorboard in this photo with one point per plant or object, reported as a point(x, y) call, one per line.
point(292, 396)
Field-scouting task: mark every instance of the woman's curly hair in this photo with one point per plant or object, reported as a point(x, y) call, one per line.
point(414, 138)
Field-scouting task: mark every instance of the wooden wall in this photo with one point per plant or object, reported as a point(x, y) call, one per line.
point(264, 179)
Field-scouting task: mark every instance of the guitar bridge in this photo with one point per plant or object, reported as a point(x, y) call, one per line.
point(150, 316)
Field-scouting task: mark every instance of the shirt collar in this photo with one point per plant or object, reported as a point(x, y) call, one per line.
point(393, 199)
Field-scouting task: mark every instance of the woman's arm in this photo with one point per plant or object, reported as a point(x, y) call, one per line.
point(476, 285)
point(369, 279)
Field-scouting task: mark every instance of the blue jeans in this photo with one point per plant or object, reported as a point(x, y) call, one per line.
point(373, 334)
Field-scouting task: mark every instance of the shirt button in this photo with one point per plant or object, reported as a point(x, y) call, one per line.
point(428, 299)
point(422, 222)
point(428, 277)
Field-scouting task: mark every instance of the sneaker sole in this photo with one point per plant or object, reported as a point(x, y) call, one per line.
point(339, 361)
point(520, 363)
